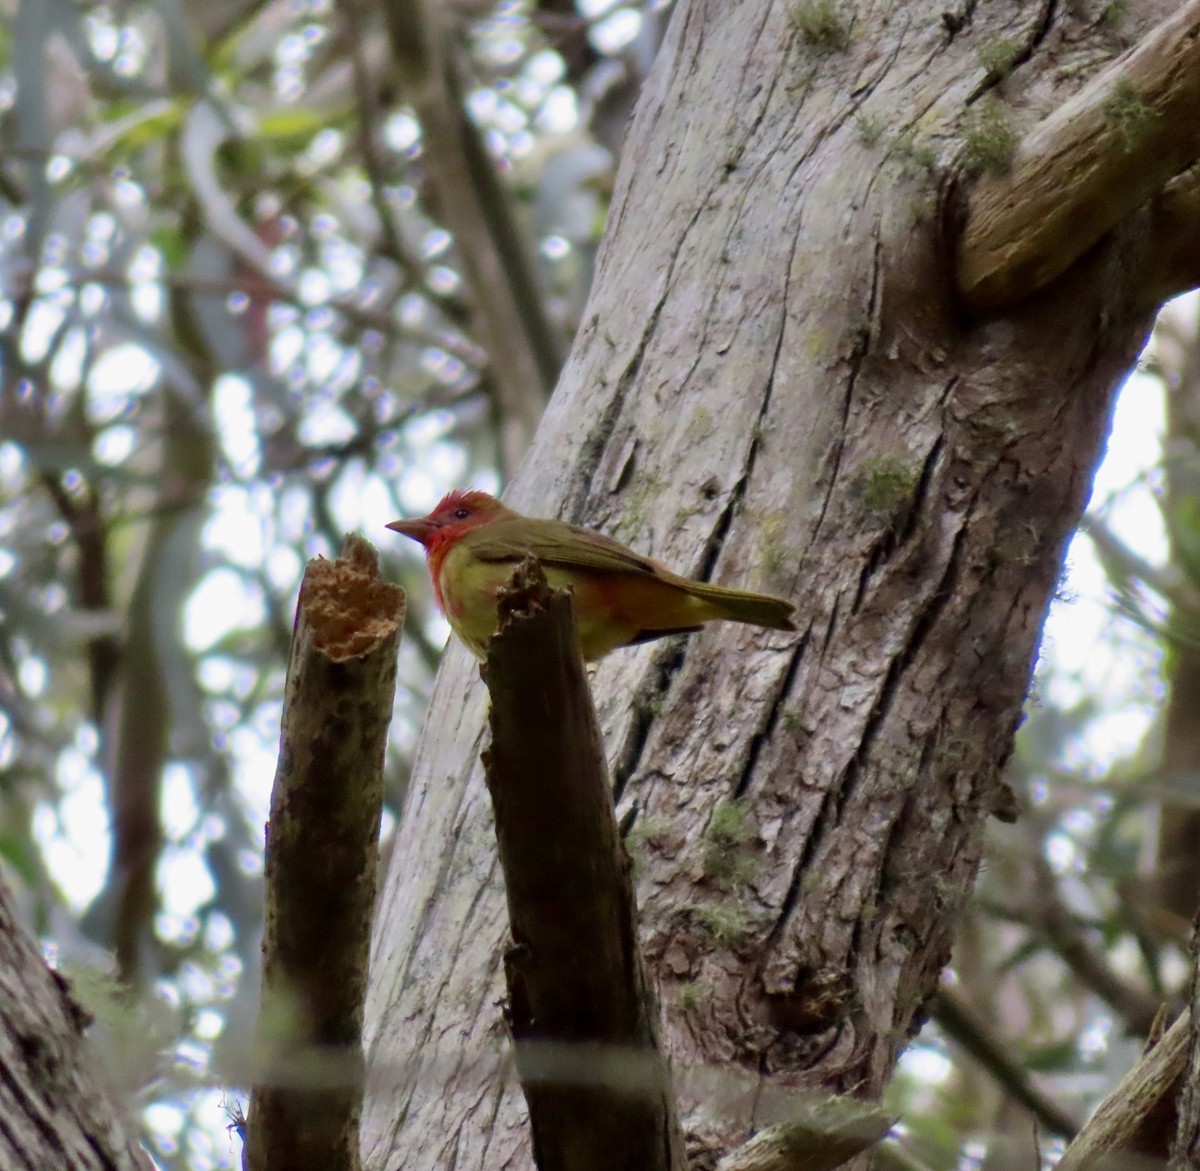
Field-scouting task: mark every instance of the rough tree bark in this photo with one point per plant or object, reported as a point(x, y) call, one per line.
point(55, 1108)
point(321, 864)
point(776, 384)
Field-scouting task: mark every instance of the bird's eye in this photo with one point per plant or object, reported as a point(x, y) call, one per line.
point(461, 513)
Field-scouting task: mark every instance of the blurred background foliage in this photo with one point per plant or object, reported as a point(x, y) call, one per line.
point(236, 323)
point(274, 270)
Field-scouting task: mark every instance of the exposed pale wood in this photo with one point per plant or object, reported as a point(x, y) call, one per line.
point(1185, 1144)
point(321, 859)
point(1086, 167)
point(574, 972)
point(823, 1135)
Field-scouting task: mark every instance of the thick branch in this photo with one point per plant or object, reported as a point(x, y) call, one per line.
point(1175, 229)
point(55, 1110)
point(575, 974)
point(322, 843)
point(1086, 167)
point(1137, 1118)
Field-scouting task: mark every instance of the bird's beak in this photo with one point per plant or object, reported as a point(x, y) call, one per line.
point(419, 529)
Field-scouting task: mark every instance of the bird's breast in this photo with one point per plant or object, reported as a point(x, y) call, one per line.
point(469, 590)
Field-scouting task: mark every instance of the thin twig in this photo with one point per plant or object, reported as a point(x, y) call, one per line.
point(368, 120)
point(961, 1025)
point(253, 284)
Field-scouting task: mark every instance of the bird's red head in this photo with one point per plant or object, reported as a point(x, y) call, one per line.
point(457, 513)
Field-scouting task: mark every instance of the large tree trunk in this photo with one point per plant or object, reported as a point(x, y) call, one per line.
point(775, 386)
point(56, 1110)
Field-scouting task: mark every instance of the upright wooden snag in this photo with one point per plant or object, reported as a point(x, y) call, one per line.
point(322, 846)
point(580, 1007)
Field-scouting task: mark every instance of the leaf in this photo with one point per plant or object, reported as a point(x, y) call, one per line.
point(292, 123)
point(1057, 1057)
point(19, 851)
point(146, 123)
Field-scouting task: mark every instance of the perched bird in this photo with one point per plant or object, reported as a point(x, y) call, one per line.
point(473, 543)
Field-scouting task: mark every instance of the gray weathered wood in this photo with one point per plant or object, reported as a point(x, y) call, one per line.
point(1133, 1124)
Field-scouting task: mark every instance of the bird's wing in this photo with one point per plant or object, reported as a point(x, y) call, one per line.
point(558, 543)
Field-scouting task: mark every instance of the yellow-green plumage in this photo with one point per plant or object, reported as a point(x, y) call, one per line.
point(619, 597)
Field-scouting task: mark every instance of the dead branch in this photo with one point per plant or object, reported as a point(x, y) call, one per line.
point(322, 844)
point(822, 1135)
point(1138, 1117)
point(575, 973)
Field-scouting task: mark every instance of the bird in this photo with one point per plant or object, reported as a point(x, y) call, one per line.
point(473, 543)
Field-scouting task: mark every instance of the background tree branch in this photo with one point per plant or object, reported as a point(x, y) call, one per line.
point(1138, 1117)
point(1185, 1146)
point(961, 1025)
point(492, 249)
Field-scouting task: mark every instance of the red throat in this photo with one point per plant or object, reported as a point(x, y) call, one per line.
point(440, 542)
point(443, 538)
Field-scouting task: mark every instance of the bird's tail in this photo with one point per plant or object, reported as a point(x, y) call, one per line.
point(744, 606)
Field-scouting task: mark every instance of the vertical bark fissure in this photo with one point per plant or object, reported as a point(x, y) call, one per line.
point(921, 492)
point(1037, 35)
point(899, 665)
point(811, 844)
point(780, 694)
point(647, 700)
point(858, 357)
point(590, 457)
point(737, 494)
